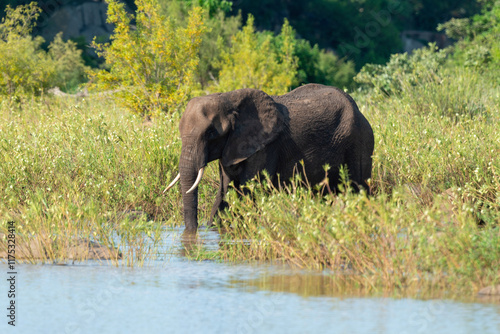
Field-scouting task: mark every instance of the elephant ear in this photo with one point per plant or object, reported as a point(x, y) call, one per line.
point(258, 121)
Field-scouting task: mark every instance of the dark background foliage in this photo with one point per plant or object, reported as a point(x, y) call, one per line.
point(332, 24)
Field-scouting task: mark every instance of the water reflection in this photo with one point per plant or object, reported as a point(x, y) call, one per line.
point(310, 284)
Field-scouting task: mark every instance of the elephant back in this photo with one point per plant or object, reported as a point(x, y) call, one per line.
point(326, 127)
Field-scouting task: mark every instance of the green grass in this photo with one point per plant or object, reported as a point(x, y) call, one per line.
point(71, 169)
point(82, 169)
point(87, 169)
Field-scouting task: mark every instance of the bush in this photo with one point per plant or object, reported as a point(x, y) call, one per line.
point(220, 31)
point(214, 7)
point(24, 66)
point(456, 28)
point(258, 60)
point(480, 48)
point(153, 66)
point(67, 59)
point(316, 65)
point(402, 70)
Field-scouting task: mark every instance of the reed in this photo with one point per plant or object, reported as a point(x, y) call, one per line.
point(75, 171)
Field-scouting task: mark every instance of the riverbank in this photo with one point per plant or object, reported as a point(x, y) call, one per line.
point(81, 169)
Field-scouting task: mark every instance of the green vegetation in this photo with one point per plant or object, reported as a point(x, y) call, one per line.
point(220, 30)
point(433, 219)
point(87, 169)
point(365, 31)
point(316, 65)
point(74, 169)
point(332, 25)
point(267, 64)
point(152, 67)
point(28, 69)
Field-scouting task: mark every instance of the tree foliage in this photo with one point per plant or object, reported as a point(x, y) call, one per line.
point(402, 69)
point(152, 67)
point(317, 65)
point(258, 60)
point(213, 7)
point(365, 31)
point(447, 82)
point(24, 66)
point(478, 45)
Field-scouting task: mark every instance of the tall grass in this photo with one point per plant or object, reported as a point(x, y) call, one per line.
point(77, 170)
point(434, 217)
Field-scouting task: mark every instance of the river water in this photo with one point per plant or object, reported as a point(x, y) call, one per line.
point(177, 295)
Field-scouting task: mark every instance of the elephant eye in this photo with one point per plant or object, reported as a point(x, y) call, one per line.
point(211, 133)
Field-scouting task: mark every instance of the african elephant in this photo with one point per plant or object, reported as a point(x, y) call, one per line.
point(249, 131)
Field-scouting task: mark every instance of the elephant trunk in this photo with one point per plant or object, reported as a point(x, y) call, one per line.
point(190, 169)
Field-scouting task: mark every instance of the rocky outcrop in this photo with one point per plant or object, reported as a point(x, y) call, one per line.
point(87, 19)
point(416, 39)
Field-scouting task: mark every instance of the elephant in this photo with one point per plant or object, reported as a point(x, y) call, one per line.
point(249, 131)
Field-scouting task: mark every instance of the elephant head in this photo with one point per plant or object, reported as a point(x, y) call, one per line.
point(227, 126)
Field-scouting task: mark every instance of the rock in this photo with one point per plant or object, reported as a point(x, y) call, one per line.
point(493, 290)
point(56, 91)
point(87, 19)
point(416, 39)
point(35, 249)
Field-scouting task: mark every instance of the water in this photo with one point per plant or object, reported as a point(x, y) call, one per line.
point(176, 295)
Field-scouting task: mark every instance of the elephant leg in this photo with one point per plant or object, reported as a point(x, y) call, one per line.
point(220, 204)
point(357, 173)
point(263, 160)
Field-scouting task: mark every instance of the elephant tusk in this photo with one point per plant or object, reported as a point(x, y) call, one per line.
point(173, 182)
point(198, 179)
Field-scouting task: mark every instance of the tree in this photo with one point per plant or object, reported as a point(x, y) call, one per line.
point(24, 66)
point(258, 60)
point(316, 65)
point(152, 67)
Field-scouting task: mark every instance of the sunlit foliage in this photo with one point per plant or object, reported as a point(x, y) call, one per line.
point(259, 61)
point(152, 67)
point(24, 66)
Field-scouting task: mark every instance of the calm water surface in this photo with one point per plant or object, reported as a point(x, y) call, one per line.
point(175, 295)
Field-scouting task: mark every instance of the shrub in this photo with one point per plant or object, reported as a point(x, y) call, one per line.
point(212, 6)
point(456, 28)
point(153, 66)
point(67, 59)
point(481, 48)
point(221, 29)
point(316, 65)
point(258, 60)
point(401, 70)
point(24, 66)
